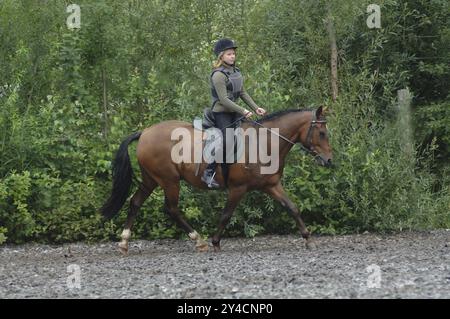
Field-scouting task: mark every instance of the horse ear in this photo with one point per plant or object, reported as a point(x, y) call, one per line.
point(319, 112)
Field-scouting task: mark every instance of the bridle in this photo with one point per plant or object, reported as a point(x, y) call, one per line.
point(307, 147)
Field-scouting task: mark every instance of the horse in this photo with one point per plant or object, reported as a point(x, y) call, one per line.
point(306, 127)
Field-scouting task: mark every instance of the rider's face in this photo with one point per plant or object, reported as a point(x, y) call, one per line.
point(229, 56)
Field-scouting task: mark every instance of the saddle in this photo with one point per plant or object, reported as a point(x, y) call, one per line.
point(214, 139)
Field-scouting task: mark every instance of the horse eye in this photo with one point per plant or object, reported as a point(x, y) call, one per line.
point(322, 134)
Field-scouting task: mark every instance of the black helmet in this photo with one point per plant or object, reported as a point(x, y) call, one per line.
point(224, 44)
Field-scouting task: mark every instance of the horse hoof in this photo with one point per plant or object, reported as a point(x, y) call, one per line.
point(310, 245)
point(123, 250)
point(202, 248)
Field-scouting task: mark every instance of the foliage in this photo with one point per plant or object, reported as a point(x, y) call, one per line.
point(69, 97)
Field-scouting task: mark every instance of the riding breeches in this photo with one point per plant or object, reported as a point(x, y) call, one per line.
point(225, 120)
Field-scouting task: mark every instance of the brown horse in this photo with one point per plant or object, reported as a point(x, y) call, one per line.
point(154, 151)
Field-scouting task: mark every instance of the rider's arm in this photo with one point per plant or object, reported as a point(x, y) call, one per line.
point(219, 82)
point(248, 100)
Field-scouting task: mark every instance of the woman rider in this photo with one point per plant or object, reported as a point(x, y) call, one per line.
point(226, 88)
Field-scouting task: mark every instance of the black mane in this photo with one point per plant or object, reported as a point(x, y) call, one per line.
point(277, 114)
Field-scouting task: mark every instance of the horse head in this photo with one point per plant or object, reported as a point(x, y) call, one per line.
point(314, 138)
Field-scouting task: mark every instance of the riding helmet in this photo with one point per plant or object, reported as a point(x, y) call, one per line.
point(224, 44)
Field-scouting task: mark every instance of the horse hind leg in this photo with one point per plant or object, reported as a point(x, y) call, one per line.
point(171, 208)
point(144, 191)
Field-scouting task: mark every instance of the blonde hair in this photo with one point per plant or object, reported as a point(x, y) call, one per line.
point(219, 61)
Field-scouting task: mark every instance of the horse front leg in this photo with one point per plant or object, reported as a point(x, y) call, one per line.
point(235, 194)
point(278, 193)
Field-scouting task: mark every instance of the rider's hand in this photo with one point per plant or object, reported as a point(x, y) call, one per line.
point(248, 114)
point(260, 111)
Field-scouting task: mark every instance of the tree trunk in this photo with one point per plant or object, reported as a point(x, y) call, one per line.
point(404, 123)
point(105, 105)
point(333, 46)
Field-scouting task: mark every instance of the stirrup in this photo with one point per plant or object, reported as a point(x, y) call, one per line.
point(211, 183)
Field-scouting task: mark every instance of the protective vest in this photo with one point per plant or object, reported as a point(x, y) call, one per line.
point(233, 83)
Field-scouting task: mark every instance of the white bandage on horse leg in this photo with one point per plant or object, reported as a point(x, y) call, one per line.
point(194, 235)
point(126, 234)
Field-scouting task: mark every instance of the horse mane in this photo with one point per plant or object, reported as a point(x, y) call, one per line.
point(277, 114)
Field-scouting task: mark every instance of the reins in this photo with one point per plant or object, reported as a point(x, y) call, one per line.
point(306, 148)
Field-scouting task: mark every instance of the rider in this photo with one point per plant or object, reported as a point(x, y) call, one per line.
point(226, 88)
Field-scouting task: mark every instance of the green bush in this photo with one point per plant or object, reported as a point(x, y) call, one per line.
point(69, 97)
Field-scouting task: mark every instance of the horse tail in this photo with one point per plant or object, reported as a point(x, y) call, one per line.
point(122, 179)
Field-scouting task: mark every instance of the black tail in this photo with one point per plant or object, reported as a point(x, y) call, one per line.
point(122, 179)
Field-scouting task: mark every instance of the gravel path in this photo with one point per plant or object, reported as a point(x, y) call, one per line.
point(405, 265)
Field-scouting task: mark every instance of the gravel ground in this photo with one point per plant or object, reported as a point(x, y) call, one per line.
point(405, 265)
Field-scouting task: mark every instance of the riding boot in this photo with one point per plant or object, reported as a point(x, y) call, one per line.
point(208, 176)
